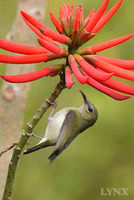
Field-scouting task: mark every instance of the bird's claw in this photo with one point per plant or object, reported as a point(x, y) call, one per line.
point(32, 134)
point(54, 104)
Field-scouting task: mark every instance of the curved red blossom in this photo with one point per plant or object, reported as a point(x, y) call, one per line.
point(52, 47)
point(77, 20)
point(91, 70)
point(23, 78)
point(82, 79)
point(106, 90)
point(107, 17)
point(73, 31)
point(85, 22)
point(126, 64)
point(123, 73)
point(21, 48)
point(55, 36)
point(97, 16)
point(32, 25)
point(26, 59)
point(121, 87)
point(32, 20)
point(56, 23)
point(104, 45)
point(68, 79)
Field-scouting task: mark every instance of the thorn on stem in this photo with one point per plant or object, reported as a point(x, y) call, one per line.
point(18, 148)
point(30, 126)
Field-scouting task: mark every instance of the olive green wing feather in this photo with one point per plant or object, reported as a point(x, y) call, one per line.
point(67, 134)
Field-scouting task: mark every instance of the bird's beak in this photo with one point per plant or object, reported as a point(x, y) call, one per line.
point(84, 96)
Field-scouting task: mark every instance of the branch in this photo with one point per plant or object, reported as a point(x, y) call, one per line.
point(30, 125)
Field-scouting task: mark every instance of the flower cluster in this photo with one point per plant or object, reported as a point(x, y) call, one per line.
point(73, 31)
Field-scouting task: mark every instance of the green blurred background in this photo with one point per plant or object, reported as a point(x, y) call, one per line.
point(101, 157)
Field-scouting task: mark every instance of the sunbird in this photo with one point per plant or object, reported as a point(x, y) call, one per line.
point(65, 125)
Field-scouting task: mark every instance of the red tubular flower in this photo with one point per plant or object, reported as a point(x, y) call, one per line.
point(56, 23)
point(126, 64)
point(121, 87)
point(21, 48)
point(72, 9)
point(110, 43)
point(65, 10)
point(25, 59)
point(76, 26)
point(123, 73)
point(85, 22)
point(74, 31)
point(82, 79)
point(104, 45)
point(52, 47)
point(33, 28)
point(107, 17)
point(106, 90)
point(55, 36)
point(68, 79)
point(77, 20)
point(23, 78)
point(90, 70)
point(32, 20)
point(97, 16)
point(62, 14)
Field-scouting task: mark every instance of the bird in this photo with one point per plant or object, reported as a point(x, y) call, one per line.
point(65, 125)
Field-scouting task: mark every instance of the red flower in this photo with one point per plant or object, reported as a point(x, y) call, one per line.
point(73, 31)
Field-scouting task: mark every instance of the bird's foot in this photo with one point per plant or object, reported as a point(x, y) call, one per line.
point(54, 106)
point(32, 134)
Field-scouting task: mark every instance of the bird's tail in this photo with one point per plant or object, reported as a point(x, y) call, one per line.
point(40, 145)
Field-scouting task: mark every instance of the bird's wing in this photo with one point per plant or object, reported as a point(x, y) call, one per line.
point(67, 134)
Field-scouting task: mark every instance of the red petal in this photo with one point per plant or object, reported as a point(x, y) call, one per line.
point(123, 73)
point(121, 87)
point(26, 59)
point(77, 20)
point(107, 17)
point(65, 10)
point(104, 45)
point(33, 28)
point(126, 64)
point(110, 43)
point(72, 10)
point(106, 90)
point(23, 78)
point(82, 79)
point(97, 16)
point(21, 48)
point(51, 47)
point(55, 36)
point(32, 20)
point(86, 20)
point(62, 14)
point(68, 78)
point(91, 70)
point(56, 23)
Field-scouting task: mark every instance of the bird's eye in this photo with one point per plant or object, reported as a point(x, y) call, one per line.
point(90, 109)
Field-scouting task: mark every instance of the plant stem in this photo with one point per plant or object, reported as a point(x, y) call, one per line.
point(30, 125)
